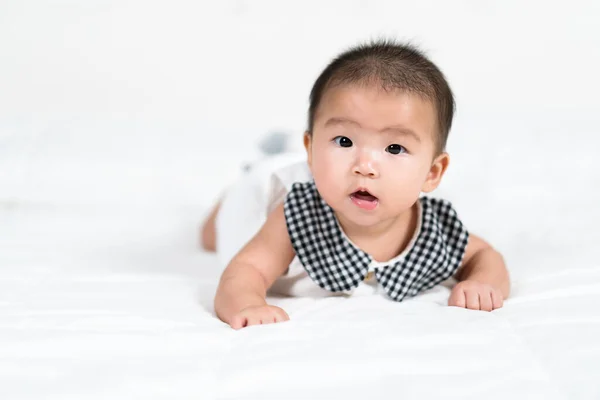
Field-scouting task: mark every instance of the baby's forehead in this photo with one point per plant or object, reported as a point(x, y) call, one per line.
point(374, 104)
point(343, 94)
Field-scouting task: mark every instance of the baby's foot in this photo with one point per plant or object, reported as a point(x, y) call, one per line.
point(272, 144)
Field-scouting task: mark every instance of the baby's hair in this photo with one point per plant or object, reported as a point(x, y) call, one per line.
point(392, 66)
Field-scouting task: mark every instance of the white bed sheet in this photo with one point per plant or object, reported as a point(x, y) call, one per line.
point(116, 303)
point(104, 293)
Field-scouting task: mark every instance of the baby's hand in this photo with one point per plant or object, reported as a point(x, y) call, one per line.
point(258, 315)
point(475, 296)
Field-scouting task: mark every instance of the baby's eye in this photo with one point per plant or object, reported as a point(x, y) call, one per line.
point(395, 149)
point(342, 141)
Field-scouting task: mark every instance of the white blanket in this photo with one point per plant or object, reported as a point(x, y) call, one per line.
point(112, 303)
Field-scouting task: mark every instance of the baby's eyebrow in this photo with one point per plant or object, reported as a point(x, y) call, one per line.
point(398, 129)
point(340, 121)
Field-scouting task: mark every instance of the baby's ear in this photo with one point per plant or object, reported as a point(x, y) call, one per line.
point(308, 147)
point(437, 170)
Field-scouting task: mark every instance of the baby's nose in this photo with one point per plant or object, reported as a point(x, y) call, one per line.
point(366, 166)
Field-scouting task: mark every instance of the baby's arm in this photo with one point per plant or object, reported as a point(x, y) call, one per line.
point(240, 299)
point(484, 281)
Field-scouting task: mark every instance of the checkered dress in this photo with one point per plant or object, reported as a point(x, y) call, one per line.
point(336, 265)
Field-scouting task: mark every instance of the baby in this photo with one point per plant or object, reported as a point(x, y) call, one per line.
point(351, 215)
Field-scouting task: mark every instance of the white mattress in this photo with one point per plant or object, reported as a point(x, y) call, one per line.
point(105, 295)
point(116, 303)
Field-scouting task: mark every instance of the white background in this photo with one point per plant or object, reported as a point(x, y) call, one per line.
point(147, 104)
point(102, 101)
point(122, 121)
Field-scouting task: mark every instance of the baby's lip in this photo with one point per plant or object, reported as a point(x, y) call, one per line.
point(364, 199)
point(363, 189)
point(363, 192)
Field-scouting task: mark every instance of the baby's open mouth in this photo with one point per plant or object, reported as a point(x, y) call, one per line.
point(364, 195)
point(364, 199)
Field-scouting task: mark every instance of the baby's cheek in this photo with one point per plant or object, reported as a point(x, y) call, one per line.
point(403, 190)
point(328, 169)
point(329, 183)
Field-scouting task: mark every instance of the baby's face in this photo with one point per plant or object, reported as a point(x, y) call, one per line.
point(371, 151)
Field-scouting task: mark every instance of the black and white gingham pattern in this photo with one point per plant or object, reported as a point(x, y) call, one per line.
point(435, 256)
point(330, 260)
point(336, 265)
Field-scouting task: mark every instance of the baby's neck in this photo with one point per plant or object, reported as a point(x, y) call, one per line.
point(387, 239)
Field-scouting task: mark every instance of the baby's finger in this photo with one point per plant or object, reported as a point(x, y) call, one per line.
point(238, 322)
point(472, 299)
point(270, 316)
point(281, 315)
point(497, 299)
point(457, 298)
point(485, 301)
point(268, 319)
point(256, 319)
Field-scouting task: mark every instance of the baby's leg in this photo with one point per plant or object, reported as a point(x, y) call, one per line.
point(208, 234)
point(273, 144)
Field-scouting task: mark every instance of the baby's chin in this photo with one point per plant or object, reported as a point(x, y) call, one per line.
point(348, 212)
point(351, 213)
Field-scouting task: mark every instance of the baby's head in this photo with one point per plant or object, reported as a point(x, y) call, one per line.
point(378, 122)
